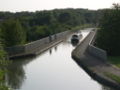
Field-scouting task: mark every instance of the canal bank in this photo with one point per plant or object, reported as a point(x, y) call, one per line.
point(36, 47)
point(96, 66)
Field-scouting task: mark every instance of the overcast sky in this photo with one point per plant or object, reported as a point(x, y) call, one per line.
point(33, 5)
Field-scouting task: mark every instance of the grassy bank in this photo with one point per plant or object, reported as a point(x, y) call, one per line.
point(113, 77)
point(115, 60)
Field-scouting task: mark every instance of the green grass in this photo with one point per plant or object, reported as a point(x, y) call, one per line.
point(115, 60)
point(113, 77)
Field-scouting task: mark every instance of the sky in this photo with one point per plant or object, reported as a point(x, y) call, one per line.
point(37, 5)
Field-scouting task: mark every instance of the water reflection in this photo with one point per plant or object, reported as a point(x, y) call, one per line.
point(50, 51)
point(15, 77)
point(15, 74)
point(55, 48)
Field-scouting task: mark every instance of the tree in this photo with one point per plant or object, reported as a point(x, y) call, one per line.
point(3, 64)
point(2, 53)
point(54, 21)
point(12, 33)
point(38, 32)
point(109, 33)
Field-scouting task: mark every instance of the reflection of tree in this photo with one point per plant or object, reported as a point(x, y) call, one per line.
point(55, 48)
point(50, 51)
point(106, 88)
point(15, 77)
point(15, 73)
point(3, 86)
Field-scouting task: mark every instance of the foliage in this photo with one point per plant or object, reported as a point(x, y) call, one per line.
point(2, 53)
point(22, 27)
point(12, 33)
point(37, 32)
point(109, 33)
point(3, 63)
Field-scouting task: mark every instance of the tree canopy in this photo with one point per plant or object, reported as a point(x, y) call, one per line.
point(22, 27)
point(109, 33)
point(12, 33)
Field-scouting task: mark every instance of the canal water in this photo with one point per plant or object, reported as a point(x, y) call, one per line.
point(53, 69)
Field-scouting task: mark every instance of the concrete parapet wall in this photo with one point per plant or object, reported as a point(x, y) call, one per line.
point(39, 43)
point(97, 52)
point(31, 47)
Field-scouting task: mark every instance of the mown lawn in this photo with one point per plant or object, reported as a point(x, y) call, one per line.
point(115, 60)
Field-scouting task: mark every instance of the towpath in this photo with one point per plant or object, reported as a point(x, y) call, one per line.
point(96, 67)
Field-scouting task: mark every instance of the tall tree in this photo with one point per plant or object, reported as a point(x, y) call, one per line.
point(12, 33)
point(109, 33)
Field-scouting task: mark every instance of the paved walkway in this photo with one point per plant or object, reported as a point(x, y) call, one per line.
point(94, 64)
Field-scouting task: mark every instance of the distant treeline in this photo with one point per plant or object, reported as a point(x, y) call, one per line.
point(22, 27)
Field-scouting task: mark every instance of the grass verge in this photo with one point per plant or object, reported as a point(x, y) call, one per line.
point(113, 76)
point(115, 60)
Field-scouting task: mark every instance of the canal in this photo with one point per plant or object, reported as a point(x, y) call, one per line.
point(53, 69)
